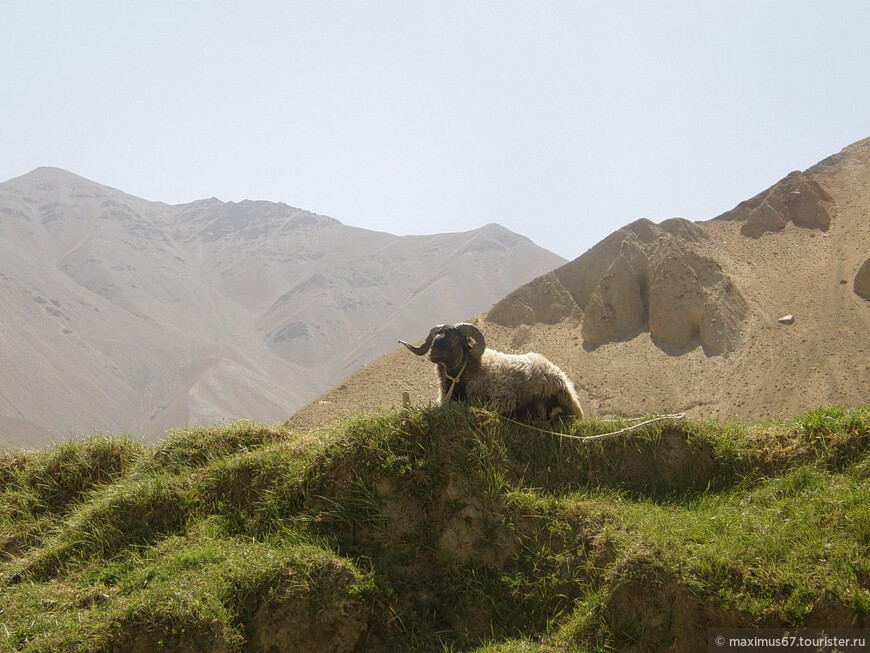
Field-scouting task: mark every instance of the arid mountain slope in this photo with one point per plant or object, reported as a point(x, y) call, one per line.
point(686, 316)
point(121, 314)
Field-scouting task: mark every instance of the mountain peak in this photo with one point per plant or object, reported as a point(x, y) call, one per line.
point(47, 179)
point(51, 170)
point(45, 174)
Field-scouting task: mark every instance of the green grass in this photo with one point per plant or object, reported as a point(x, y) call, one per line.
point(436, 529)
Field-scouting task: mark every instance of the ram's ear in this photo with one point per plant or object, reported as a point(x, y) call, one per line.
point(471, 331)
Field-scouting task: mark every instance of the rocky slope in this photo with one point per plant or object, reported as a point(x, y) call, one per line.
point(686, 315)
point(121, 314)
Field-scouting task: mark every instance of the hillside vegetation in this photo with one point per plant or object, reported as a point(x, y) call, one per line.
point(436, 529)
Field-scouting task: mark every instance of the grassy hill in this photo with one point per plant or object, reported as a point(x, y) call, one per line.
point(436, 529)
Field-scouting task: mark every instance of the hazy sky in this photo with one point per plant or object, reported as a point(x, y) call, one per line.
point(560, 120)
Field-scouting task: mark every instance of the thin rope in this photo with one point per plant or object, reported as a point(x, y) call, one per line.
point(454, 380)
point(600, 436)
point(610, 420)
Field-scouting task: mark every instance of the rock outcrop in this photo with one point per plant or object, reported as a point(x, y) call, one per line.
point(682, 298)
point(799, 199)
point(861, 285)
point(644, 277)
point(543, 300)
point(618, 307)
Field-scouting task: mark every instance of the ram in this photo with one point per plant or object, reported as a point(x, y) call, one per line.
point(526, 385)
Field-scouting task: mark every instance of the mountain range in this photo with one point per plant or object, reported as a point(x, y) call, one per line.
point(763, 311)
point(126, 315)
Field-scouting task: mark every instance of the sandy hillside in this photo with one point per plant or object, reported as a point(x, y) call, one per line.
point(686, 315)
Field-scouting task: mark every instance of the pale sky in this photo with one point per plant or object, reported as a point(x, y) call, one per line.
point(562, 121)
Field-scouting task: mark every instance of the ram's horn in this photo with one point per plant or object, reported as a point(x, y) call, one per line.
point(472, 331)
point(424, 348)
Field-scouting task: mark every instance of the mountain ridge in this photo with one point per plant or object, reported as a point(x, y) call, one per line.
point(132, 315)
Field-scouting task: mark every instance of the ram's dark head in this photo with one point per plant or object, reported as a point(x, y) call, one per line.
point(451, 344)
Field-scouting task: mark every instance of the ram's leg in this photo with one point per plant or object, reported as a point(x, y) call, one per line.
point(503, 404)
point(567, 404)
point(576, 408)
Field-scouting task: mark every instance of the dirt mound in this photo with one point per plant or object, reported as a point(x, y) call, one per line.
point(686, 316)
point(335, 623)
